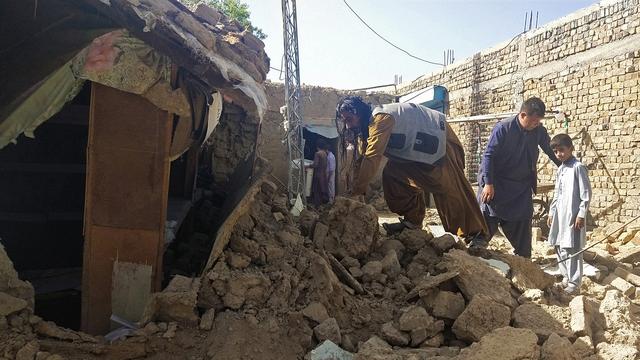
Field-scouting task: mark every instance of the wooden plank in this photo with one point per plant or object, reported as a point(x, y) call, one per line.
point(224, 232)
point(126, 196)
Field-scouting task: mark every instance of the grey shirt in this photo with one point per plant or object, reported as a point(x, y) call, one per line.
point(570, 200)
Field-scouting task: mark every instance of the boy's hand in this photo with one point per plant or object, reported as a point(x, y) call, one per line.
point(579, 223)
point(549, 221)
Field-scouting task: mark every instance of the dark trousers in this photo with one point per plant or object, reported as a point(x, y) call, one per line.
point(517, 232)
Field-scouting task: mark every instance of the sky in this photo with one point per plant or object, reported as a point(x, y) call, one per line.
point(337, 50)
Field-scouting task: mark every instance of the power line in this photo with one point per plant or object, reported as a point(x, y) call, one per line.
point(387, 41)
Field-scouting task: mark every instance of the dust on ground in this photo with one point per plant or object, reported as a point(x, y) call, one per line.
point(333, 283)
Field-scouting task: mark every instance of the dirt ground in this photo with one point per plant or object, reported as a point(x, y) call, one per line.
point(291, 288)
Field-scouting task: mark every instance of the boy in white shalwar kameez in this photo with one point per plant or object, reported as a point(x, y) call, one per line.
point(568, 212)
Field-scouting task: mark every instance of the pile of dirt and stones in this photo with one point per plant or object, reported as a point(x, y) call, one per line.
point(332, 285)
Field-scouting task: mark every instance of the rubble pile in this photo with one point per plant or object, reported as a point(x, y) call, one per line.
point(332, 285)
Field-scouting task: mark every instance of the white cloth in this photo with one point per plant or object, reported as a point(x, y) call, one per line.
point(570, 269)
point(571, 199)
point(331, 174)
point(331, 162)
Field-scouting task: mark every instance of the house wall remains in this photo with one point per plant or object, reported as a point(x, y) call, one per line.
point(586, 65)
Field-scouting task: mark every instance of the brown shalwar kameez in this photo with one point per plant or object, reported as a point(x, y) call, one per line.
point(407, 183)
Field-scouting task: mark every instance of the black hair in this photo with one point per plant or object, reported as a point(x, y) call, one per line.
point(561, 140)
point(322, 144)
point(533, 106)
point(354, 105)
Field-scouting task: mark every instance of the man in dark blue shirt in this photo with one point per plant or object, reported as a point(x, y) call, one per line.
point(508, 177)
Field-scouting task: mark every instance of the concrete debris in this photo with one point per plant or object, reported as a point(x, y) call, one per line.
point(628, 276)
point(581, 316)
point(10, 284)
point(316, 312)
point(448, 305)
point(426, 283)
point(443, 243)
point(583, 347)
point(330, 351)
point(501, 266)
point(557, 348)
point(394, 336)
point(176, 303)
point(541, 319)
point(526, 274)
point(434, 342)
point(620, 319)
point(206, 321)
point(328, 330)
point(415, 317)
point(476, 278)
point(10, 305)
point(354, 229)
point(505, 343)
point(29, 351)
point(532, 295)
point(415, 239)
point(606, 351)
point(316, 286)
point(51, 330)
point(391, 265)
point(418, 336)
point(376, 349)
point(619, 283)
point(172, 328)
point(482, 316)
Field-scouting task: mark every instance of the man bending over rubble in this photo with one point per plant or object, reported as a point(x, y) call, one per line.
point(425, 156)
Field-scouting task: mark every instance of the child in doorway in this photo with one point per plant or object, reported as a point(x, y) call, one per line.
point(568, 212)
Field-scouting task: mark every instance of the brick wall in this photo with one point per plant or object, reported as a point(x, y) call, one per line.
point(586, 65)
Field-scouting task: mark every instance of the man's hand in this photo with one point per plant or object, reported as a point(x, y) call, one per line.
point(487, 193)
point(549, 220)
point(579, 223)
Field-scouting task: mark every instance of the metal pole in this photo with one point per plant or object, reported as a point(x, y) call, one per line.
point(293, 101)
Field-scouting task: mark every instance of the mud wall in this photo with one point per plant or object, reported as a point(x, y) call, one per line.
point(318, 107)
point(586, 65)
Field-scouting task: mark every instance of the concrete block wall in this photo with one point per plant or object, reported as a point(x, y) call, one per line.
point(587, 65)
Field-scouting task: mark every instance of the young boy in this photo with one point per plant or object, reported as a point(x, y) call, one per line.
point(568, 212)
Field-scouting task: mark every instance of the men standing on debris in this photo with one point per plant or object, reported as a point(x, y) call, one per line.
point(568, 213)
point(508, 174)
point(425, 156)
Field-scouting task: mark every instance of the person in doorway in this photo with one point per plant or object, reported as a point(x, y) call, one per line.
point(568, 213)
point(424, 156)
point(331, 175)
point(319, 183)
point(507, 178)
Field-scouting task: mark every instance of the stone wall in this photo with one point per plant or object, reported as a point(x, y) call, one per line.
point(586, 65)
point(232, 142)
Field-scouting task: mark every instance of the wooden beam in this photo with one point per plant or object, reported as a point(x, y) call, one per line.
point(126, 196)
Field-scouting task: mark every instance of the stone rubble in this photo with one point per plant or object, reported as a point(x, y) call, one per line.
point(277, 293)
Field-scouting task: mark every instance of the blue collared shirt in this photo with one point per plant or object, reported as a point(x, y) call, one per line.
point(509, 163)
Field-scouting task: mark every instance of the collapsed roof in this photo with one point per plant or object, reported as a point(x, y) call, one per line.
point(37, 38)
